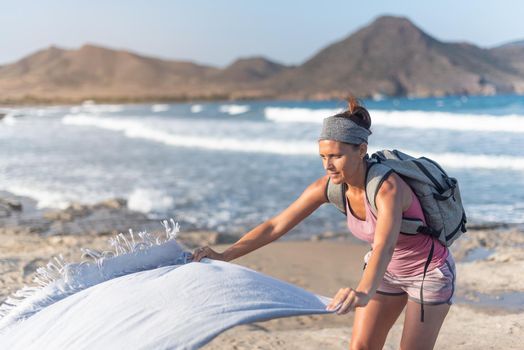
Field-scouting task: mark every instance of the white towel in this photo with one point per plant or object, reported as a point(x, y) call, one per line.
point(170, 307)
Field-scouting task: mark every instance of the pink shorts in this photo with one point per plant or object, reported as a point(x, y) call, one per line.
point(438, 287)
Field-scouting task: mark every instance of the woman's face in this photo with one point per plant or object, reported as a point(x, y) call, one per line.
point(341, 160)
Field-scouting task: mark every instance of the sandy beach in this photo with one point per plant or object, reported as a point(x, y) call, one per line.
point(488, 313)
point(323, 267)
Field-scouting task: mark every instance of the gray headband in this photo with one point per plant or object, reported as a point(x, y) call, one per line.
point(343, 130)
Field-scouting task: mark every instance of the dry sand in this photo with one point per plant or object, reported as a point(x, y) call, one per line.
point(322, 267)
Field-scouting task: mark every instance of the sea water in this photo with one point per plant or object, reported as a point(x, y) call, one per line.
point(228, 166)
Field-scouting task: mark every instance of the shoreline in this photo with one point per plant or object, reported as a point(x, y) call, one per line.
point(78, 211)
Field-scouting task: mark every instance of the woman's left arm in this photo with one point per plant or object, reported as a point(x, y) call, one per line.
point(390, 200)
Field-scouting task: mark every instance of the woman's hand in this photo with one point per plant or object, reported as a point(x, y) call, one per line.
point(206, 252)
point(348, 299)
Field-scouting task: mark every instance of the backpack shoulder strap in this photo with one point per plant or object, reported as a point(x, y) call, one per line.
point(336, 195)
point(376, 174)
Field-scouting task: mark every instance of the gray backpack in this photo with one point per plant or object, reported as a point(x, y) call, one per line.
point(438, 194)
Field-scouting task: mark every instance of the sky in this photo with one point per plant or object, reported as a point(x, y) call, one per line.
point(217, 32)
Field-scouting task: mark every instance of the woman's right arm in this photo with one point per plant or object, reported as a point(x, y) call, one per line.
point(272, 229)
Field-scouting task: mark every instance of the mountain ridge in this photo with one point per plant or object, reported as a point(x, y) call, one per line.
point(390, 56)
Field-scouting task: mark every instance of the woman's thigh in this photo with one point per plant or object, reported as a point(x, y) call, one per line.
point(422, 335)
point(373, 322)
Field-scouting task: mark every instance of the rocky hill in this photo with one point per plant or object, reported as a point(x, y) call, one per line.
point(98, 73)
point(390, 56)
point(513, 53)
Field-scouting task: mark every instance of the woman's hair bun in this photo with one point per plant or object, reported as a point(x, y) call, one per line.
point(353, 104)
point(357, 113)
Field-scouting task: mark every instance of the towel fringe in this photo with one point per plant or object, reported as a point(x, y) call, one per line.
point(55, 272)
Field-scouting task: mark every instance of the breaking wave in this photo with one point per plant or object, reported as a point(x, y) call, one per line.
point(408, 119)
point(135, 129)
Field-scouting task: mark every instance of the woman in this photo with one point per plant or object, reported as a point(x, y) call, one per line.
point(392, 279)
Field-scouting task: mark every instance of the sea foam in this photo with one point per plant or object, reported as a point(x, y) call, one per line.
point(159, 108)
point(197, 108)
point(135, 129)
point(234, 109)
point(149, 200)
point(44, 198)
point(91, 107)
point(408, 119)
point(9, 119)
